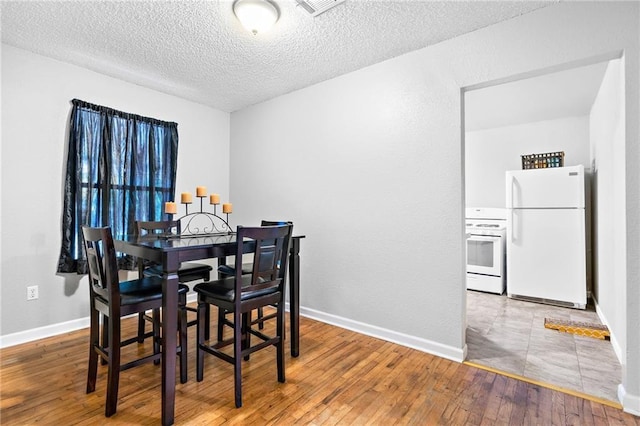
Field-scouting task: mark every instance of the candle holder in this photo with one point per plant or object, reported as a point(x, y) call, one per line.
point(202, 222)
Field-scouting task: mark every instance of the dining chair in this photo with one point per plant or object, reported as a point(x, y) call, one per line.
point(113, 300)
point(246, 269)
point(188, 272)
point(240, 294)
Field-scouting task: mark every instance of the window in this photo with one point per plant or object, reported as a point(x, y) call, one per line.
point(121, 168)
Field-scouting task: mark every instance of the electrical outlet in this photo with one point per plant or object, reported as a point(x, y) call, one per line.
point(32, 292)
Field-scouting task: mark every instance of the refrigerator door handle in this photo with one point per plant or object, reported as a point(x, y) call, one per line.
point(512, 185)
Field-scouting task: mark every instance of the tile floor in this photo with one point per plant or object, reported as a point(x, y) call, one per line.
point(509, 335)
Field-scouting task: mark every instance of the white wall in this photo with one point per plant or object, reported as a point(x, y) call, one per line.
point(371, 169)
point(36, 95)
point(490, 153)
point(607, 151)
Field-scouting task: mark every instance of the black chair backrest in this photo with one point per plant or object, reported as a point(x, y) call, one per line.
point(276, 223)
point(159, 227)
point(269, 258)
point(101, 260)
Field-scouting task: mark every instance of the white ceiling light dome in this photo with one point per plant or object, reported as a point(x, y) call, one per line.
point(256, 16)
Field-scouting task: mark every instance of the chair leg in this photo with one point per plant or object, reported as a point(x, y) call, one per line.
point(182, 328)
point(207, 323)
point(221, 313)
point(94, 340)
point(246, 326)
point(155, 315)
point(141, 324)
point(200, 340)
point(105, 337)
point(237, 357)
point(113, 374)
point(260, 315)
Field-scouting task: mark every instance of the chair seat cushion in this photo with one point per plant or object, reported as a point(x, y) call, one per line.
point(145, 289)
point(194, 267)
point(224, 289)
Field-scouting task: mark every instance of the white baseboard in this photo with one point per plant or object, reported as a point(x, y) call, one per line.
point(424, 345)
point(630, 403)
point(55, 329)
point(43, 332)
point(614, 341)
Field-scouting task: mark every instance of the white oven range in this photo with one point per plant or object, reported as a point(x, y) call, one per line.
point(486, 235)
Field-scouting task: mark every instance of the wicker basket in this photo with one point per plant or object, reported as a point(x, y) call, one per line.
point(543, 161)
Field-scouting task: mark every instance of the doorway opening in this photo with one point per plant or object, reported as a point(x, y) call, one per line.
point(577, 109)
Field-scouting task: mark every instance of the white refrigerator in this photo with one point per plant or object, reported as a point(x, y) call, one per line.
point(547, 236)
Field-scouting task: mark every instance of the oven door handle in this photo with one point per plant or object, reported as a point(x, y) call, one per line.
point(484, 237)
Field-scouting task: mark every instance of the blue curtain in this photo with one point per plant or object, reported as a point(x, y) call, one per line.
point(121, 168)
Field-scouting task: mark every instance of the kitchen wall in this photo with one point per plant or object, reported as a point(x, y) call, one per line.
point(490, 153)
point(607, 132)
point(370, 166)
point(36, 95)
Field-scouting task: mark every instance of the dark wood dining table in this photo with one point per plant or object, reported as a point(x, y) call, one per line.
point(170, 252)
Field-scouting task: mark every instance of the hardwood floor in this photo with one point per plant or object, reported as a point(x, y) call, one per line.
point(341, 377)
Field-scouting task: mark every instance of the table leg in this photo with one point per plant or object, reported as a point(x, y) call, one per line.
point(169, 343)
point(221, 314)
point(294, 295)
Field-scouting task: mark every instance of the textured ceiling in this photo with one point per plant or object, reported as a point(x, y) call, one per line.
point(197, 50)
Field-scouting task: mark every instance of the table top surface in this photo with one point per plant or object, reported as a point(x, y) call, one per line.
point(184, 241)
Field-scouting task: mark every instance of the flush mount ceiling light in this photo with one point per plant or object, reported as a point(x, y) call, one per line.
point(256, 15)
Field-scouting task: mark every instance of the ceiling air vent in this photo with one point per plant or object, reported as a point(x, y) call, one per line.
point(316, 7)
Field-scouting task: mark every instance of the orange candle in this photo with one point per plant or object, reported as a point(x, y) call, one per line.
point(214, 199)
point(186, 198)
point(227, 208)
point(201, 191)
point(170, 207)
